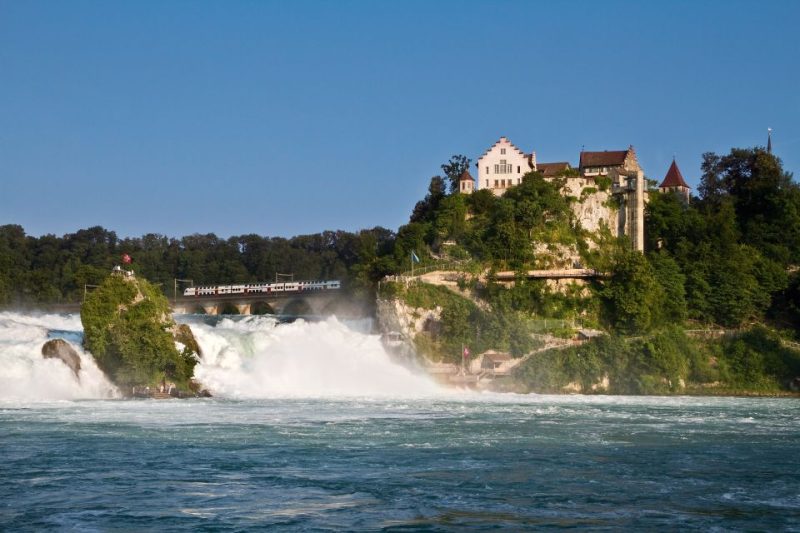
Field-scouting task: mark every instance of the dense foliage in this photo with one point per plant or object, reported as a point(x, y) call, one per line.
point(52, 269)
point(737, 246)
point(665, 362)
point(463, 323)
point(128, 329)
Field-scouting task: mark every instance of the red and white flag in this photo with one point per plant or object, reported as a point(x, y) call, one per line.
point(126, 259)
point(466, 352)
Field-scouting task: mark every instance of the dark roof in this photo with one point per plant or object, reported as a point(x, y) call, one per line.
point(496, 356)
point(674, 178)
point(466, 176)
point(551, 169)
point(603, 159)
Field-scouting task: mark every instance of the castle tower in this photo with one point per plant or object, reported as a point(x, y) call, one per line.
point(628, 185)
point(466, 183)
point(674, 182)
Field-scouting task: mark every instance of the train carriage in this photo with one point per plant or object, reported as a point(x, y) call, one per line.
point(292, 286)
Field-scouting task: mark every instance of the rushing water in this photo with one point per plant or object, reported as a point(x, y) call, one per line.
point(300, 437)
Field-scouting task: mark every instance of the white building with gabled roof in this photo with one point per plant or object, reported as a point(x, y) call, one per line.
point(502, 166)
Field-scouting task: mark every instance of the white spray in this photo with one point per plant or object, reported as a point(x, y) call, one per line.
point(255, 357)
point(25, 375)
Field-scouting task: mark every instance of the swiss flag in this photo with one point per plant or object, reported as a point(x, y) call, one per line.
point(126, 259)
point(466, 352)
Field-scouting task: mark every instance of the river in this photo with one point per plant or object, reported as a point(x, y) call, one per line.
point(312, 427)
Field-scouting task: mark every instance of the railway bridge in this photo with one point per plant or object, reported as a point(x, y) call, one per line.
point(280, 303)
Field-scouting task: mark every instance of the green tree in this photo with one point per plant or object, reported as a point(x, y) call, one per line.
point(425, 209)
point(632, 296)
point(453, 170)
point(669, 276)
point(766, 200)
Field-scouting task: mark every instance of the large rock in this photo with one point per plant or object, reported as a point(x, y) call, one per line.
point(130, 332)
point(61, 349)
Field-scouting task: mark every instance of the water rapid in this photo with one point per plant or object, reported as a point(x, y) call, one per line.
point(242, 358)
point(257, 357)
point(25, 375)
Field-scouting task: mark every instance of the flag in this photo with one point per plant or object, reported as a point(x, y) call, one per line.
point(126, 259)
point(466, 352)
point(414, 257)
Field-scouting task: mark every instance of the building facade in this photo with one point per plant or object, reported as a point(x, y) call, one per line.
point(503, 165)
point(628, 185)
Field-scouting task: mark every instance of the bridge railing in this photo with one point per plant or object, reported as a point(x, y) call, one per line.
point(433, 267)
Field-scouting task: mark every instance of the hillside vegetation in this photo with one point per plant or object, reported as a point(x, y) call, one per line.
point(729, 259)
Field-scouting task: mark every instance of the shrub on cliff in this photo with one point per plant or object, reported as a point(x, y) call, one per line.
point(129, 331)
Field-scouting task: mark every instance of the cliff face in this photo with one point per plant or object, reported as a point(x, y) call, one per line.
point(593, 211)
point(130, 332)
point(396, 316)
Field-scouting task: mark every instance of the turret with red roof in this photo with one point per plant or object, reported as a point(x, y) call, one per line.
point(674, 182)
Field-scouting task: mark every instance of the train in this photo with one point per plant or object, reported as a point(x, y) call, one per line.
point(260, 288)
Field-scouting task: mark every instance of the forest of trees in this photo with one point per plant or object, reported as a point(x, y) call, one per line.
point(52, 269)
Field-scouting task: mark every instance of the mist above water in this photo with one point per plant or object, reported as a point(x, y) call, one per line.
point(243, 357)
point(256, 357)
point(26, 375)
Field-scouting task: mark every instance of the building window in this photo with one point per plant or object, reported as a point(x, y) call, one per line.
point(487, 170)
point(487, 183)
point(503, 168)
point(502, 151)
point(517, 169)
point(496, 184)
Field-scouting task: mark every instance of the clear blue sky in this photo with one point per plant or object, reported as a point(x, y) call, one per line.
point(284, 118)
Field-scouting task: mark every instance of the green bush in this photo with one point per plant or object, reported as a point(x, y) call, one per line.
point(757, 360)
point(603, 182)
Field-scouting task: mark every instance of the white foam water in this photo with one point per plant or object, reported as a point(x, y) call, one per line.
point(25, 375)
point(256, 357)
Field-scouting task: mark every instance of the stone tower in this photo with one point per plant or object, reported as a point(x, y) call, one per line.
point(674, 182)
point(628, 185)
point(466, 183)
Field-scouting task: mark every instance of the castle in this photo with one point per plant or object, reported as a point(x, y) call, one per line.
point(599, 177)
